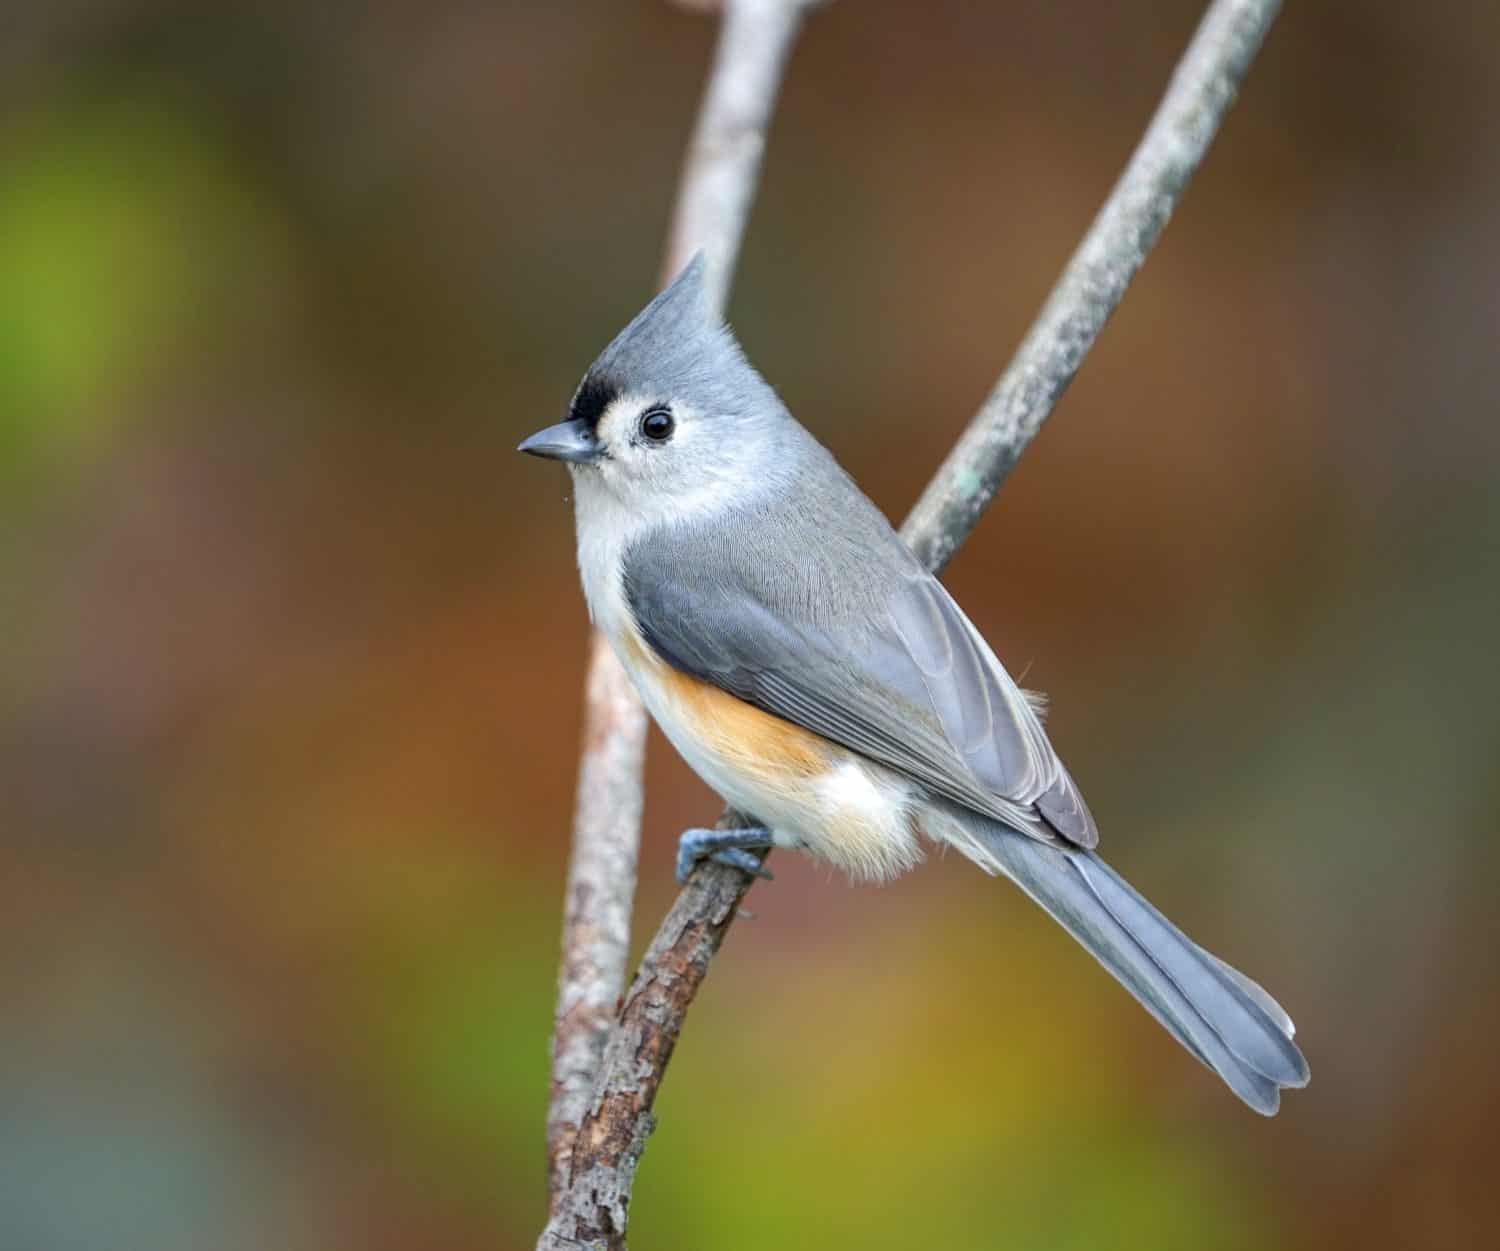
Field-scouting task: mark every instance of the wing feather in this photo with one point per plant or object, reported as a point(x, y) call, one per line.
point(915, 687)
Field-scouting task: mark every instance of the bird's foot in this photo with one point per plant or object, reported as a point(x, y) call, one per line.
point(732, 847)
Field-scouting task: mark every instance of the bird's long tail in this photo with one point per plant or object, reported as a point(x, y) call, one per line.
point(1216, 1012)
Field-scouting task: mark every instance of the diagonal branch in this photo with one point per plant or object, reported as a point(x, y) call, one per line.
point(593, 1209)
point(716, 189)
point(1203, 87)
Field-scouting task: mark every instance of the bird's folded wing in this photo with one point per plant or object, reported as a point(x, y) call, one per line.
point(914, 687)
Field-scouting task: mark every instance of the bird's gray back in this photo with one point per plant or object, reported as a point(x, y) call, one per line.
point(802, 600)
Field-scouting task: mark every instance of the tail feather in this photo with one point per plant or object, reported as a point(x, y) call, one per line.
point(1217, 1013)
point(1256, 992)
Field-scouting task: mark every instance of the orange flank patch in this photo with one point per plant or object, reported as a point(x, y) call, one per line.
point(741, 735)
point(744, 737)
point(841, 808)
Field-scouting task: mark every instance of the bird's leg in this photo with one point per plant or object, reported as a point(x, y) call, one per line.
point(731, 847)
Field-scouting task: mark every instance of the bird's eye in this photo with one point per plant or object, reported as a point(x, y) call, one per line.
point(657, 424)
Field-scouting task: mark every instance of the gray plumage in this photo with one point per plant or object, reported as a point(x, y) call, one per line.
point(746, 558)
point(673, 348)
point(891, 668)
point(1216, 1012)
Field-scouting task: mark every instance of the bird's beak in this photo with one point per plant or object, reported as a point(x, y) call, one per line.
point(571, 441)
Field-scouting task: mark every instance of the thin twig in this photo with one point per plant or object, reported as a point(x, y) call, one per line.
point(593, 1210)
point(722, 167)
point(598, 899)
point(1203, 87)
point(614, 1130)
point(715, 193)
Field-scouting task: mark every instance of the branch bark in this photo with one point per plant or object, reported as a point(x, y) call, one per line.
point(715, 193)
point(1203, 86)
point(592, 1211)
point(722, 167)
point(599, 895)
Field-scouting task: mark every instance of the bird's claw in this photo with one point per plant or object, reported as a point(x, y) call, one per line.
point(731, 847)
point(740, 858)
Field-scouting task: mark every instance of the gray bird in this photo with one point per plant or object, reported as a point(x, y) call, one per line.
point(815, 675)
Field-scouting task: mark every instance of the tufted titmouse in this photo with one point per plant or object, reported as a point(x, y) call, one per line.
point(815, 675)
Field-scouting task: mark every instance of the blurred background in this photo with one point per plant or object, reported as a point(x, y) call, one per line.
point(293, 645)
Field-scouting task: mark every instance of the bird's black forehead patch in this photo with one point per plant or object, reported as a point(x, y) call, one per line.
point(595, 394)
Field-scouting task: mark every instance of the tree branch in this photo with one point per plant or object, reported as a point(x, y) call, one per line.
point(593, 1209)
point(714, 197)
point(1203, 87)
point(722, 166)
point(599, 895)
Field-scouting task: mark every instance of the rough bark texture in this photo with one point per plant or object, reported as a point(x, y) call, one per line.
point(614, 1129)
point(593, 1209)
point(714, 198)
point(600, 893)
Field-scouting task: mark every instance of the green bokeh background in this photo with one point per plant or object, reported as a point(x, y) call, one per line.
point(290, 686)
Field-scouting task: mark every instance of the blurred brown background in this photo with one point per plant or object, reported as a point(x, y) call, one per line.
point(290, 685)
